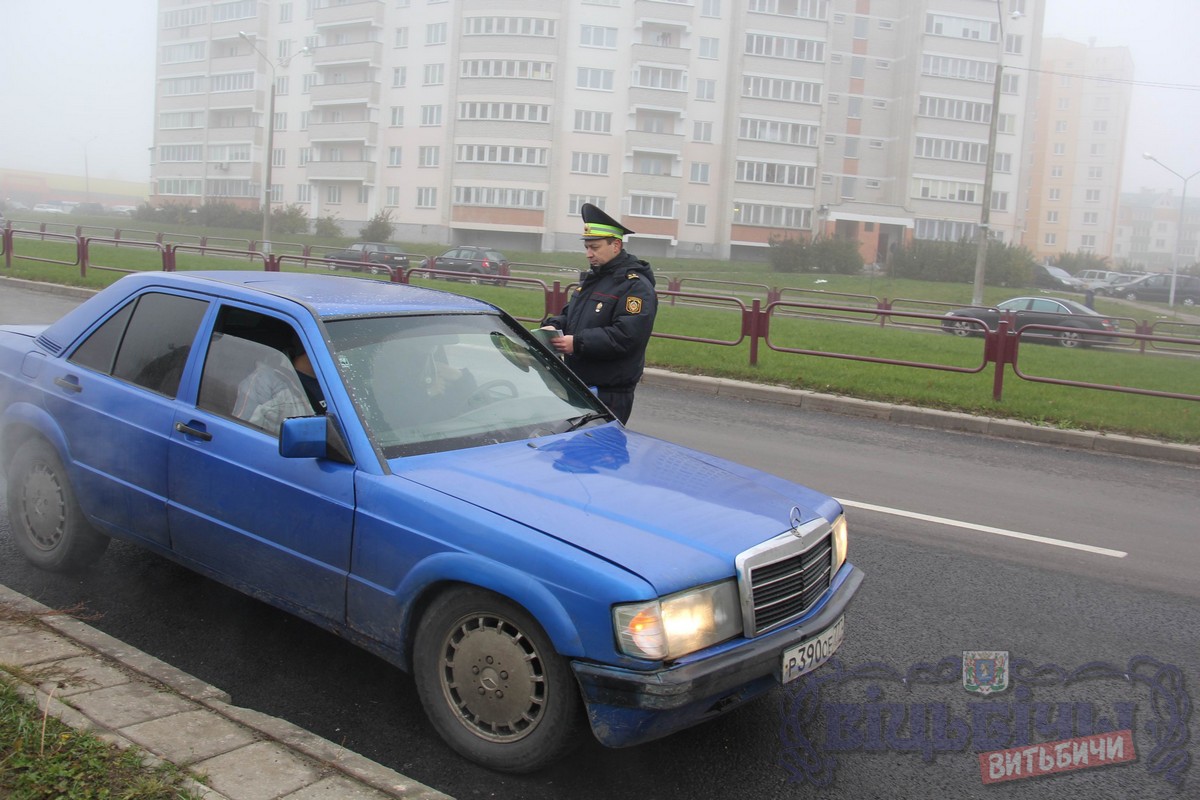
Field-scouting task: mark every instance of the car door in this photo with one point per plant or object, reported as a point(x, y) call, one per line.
point(273, 526)
point(114, 398)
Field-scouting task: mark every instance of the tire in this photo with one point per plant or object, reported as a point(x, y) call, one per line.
point(1189, 301)
point(1131, 295)
point(47, 524)
point(492, 684)
point(961, 328)
point(1072, 338)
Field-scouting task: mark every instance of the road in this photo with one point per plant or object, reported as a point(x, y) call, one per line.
point(1059, 558)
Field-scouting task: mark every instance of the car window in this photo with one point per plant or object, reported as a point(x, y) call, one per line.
point(249, 371)
point(1046, 306)
point(430, 383)
point(1016, 304)
point(147, 342)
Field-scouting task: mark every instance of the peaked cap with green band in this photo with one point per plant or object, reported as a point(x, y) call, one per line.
point(598, 225)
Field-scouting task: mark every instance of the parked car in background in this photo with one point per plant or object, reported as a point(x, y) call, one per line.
point(458, 502)
point(1051, 277)
point(1096, 279)
point(474, 261)
point(47, 208)
point(1157, 288)
point(377, 258)
point(1035, 311)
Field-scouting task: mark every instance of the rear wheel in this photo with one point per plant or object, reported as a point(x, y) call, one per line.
point(1131, 295)
point(1189, 301)
point(1070, 338)
point(47, 524)
point(492, 684)
point(961, 328)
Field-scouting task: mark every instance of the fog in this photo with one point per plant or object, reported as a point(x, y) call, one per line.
point(79, 83)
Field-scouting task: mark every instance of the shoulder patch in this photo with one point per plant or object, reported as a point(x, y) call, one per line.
point(633, 276)
point(633, 305)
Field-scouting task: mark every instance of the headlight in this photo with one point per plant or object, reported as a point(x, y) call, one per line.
point(683, 623)
point(839, 542)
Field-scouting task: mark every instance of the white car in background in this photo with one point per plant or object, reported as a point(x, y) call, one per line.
point(47, 208)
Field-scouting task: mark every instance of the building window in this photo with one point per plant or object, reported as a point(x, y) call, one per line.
point(593, 121)
point(1056, 171)
point(392, 196)
point(303, 193)
point(333, 194)
point(1054, 194)
point(431, 115)
point(593, 78)
point(642, 205)
point(1091, 218)
point(397, 116)
point(1091, 196)
point(710, 8)
point(575, 203)
point(1052, 216)
point(435, 33)
point(1050, 239)
point(702, 132)
point(699, 172)
point(399, 77)
point(1087, 241)
point(434, 75)
point(1095, 173)
point(706, 89)
point(426, 197)
point(589, 163)
point(709, 47)
point(401, 37)
point(596, 36)
point(697, 214)
point(395, 156)
point(429, 156)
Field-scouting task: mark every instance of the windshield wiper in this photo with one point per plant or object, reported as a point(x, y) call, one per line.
point(575, 423)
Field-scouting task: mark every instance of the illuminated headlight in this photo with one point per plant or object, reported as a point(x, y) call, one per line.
point(839, 542)
point(683, 623)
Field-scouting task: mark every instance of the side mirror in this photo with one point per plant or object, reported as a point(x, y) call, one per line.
point(312, 437)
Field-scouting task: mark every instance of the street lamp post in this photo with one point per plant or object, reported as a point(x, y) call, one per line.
point(270, 137)
point(1179, 227)
point(265, 245)
point(985, 209)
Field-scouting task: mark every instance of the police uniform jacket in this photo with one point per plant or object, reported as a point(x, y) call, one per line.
point(610, 316)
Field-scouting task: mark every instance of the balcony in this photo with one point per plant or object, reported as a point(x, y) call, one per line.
point(658, 98)
point(341, 13)
point(661, 54)
point(360, 171)
point(344, 93)
point(236, 133)
point(653, 140)
point(328, 55)
point(247, 98)
point(356, 131)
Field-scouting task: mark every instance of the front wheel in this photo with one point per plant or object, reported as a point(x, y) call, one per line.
point(1189, 301)
point(492, 684)
point(47, 524)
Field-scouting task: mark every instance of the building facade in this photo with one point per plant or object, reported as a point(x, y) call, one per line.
point(708, 126)
point(1082, 115)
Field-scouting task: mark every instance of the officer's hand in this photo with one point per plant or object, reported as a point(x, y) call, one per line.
point(564, 344)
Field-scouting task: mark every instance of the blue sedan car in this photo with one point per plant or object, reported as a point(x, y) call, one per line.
point(413, 470)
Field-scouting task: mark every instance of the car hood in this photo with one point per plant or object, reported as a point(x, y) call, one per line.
point(674, 516)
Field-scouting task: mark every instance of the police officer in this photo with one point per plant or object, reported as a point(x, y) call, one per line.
point(608, 320)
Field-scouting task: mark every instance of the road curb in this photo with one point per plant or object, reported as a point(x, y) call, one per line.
point(805, 400)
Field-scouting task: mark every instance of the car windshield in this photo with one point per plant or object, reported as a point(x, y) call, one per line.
point(441, 382)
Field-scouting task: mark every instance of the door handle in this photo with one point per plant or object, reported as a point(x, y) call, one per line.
point(188, 430)
point(70, 384)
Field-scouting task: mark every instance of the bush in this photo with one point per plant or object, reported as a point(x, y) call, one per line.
point(328, 227)
point(289, 219)
point(824, 255)
point(954, 262)
point(379, 229)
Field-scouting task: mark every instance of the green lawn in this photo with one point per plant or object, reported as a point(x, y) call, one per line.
point(965, 385)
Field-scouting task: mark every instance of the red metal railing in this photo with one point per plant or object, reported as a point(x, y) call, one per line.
point(1000, 346)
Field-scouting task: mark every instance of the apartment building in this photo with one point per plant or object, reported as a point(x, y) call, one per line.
point(1149, 237)
point(1082, 115)
point(708, 126)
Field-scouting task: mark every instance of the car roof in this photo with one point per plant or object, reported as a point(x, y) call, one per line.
point(326, 296)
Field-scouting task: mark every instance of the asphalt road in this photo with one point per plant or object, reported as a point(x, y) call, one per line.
point(942, 525)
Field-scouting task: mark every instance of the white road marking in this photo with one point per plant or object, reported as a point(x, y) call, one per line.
point(954, 523)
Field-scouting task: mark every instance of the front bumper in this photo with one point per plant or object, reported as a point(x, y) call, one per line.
point(628, 707)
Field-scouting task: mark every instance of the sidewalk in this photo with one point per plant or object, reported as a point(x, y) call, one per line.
point(90, 680)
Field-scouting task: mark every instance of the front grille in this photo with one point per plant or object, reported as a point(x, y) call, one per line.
point(784, 578)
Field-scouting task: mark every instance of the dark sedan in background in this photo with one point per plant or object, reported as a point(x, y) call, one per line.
point(476, 262)
point(377, 258)
point(1025, 311)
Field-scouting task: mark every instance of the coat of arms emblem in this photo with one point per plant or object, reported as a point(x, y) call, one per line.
point(985, 671)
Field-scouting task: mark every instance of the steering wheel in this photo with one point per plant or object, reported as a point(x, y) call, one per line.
point(492, 391)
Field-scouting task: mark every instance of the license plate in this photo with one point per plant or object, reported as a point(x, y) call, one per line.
point(813, 652)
